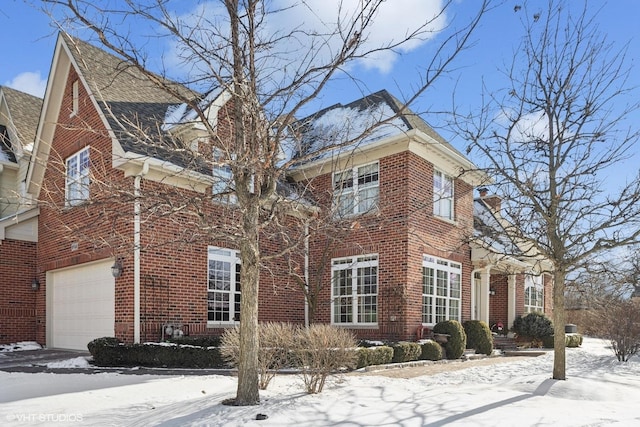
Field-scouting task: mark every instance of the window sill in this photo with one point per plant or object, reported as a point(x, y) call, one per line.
point(219, 325)
point(447, 220)
point(355, 325)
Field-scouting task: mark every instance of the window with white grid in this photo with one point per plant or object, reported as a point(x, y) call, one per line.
point(354, 290)
point(443, 195)
point(355, 191)
point(441, 289)
point(533, 294)
point(77, 178)
point(223, 289)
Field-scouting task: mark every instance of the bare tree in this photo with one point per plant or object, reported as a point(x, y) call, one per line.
point(271, 74)
point(551, 137)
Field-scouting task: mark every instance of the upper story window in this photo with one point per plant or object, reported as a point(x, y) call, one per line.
point(354, 290)
point(75, 98)
point(441, 289)
point(222, 188)
point(442, 195)
point(223, 289)
point(355, 191)
point(533, 293)
point(77, 178)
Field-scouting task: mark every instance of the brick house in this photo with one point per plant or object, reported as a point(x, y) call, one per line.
point(399, 251)
point(19, 114)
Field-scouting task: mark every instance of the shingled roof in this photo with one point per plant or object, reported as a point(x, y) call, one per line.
point(128, 96)
point(358, 124)
point(25, 112)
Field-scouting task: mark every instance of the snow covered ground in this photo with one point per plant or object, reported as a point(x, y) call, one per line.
point(599, 392)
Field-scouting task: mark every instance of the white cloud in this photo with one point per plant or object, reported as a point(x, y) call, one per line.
point(29, 82)
point(314, 39)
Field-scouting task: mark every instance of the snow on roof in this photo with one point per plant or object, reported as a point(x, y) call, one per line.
point(489, 230)
point(349, 127)
point(179, 114)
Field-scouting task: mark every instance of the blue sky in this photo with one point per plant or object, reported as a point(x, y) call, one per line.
point(27, 38)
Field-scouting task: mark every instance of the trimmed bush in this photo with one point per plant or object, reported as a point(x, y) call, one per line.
point(109, 351)
point(369, 356)
point(457, 341)
point(534, 326)
point(406, 352)
point(570, 341)
point(478, 336)
point(431, 350)
point(197, 341)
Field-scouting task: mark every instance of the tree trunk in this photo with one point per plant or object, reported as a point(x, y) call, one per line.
point(559, 319)
point(248, 392)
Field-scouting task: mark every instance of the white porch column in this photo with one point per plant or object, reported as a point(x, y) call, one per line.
point(485, 275)
point(511, 301)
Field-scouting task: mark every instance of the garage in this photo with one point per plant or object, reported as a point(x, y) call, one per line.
point(80, 305)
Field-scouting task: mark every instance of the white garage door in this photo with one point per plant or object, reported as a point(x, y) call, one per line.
point(80, 305)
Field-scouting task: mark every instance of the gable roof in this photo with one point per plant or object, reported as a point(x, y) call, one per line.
point(20, 114)
point(359, 123)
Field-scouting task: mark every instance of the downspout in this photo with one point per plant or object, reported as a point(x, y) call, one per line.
point(136, 251)
point(306, 273)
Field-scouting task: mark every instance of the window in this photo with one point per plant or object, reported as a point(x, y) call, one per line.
point(442, 195)
point(441, 282)
point(77, 178)
point(355, 191)
point(222, 189)
point(74, 96)
point(223, 290)
point(533, 294)
point(354, 290)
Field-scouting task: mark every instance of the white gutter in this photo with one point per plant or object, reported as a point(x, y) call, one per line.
point(306, 273)
point(136, 251)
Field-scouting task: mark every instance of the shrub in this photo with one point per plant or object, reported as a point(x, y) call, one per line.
point(406, 352)
point(533, 326)
point(368, 356)
point(621, 326)
point(321, 350)
point(570, 340)
point(275, 342)
point(478, 336)
point(431, 350)
point(457, 340)
point(205, 341)
point(110, 352)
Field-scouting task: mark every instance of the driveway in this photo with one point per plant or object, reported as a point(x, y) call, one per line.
point(36, 360)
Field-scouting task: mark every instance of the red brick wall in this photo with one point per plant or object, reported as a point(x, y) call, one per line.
point(17, 299)
point(498, 309)
point(400, 233)
point(174, 247)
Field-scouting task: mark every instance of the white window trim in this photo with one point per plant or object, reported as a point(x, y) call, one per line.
point(448, 267)
point(81, 192)
point(75, 96)
point(222, 188)
point(536, 283)
point(231, 256)
point(438, 200)
point(355, 189)
point(354, 263)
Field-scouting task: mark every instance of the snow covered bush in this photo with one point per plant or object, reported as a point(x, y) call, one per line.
point(478, 336)
point(456, 340)
point(321, 350)
point(621, 326)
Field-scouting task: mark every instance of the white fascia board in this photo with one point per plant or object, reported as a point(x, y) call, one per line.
point(162, 171)
point(17, 218)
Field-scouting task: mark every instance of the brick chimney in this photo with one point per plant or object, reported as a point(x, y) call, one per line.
point(492, 200)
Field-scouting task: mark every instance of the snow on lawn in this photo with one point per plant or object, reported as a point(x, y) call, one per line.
point(599, 392)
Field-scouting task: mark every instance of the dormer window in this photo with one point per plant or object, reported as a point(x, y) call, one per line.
point(77, 178)
point(443, 195)
point(222, 189)
point(74, 98)
point(355, 191)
